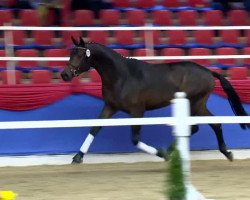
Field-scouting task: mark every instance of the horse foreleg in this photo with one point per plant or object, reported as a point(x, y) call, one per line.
point(107, 112)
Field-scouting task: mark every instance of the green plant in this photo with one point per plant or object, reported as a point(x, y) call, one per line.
point(175, 177)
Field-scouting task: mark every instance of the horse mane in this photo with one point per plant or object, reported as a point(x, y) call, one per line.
point(111, 50)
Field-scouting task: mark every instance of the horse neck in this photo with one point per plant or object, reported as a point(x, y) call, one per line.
point(106, 62)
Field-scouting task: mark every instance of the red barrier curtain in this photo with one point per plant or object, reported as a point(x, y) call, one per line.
point(31, 96)
point(242, 88)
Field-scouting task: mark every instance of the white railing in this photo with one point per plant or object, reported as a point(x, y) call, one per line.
point(122, 122)
point(117, 28)
point(138, 57)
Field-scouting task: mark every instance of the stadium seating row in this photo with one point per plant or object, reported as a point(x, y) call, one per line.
point(144, 4)
point(46, 76)
point(134, 17)
point(57, 65)
point(165, 3)
point(161, 18)
point(36, 76)
point(132, 39)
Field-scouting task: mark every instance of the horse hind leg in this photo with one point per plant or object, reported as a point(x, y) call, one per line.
point(219, 134)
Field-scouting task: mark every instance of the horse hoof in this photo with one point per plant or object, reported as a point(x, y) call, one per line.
point(162, 153)
point(78, 158)
point(230, 156)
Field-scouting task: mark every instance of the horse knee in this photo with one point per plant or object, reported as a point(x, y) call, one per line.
point(135, 140)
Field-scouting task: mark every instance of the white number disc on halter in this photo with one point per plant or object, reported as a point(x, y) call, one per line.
point(88, 53)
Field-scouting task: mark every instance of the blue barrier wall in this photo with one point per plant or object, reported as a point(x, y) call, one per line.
point(110, 139)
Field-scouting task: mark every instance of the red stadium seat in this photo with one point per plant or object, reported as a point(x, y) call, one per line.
point(124, 37)
point(100, 37)
point(162, 18)
point(6, 16)
point(83, 18)
point(216, 69)
point(3, 63)
point(29, 17)
point(145, 4)
point(177, 37)
point(43, 37)
point(17, 74)
point(226, 51)
point(136, 17)
point(11, 3)
point(172, 52)
point(41, 76)
point(109, 17)
point(213, 18)
point(246, 51)
point(66, 37)
point(238, 73)
point(56, 53)
point(121, 3)
point(238, 18)
point(141, 52)
point(171, 3)
point(27, 53)
point(123, 52)
point(230, 36)
point(94, 76)
point(200, 52)
point(19, 37)
point(187, 18)
point(198, 3)
point(204, 36)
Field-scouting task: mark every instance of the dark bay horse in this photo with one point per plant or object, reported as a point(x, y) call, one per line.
point(135, 86)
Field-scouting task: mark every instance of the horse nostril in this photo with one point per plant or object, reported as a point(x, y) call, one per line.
point(65, 77)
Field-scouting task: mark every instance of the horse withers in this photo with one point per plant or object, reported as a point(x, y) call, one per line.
point(134, 86)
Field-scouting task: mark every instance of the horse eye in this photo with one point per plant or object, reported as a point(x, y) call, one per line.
point(80, 53)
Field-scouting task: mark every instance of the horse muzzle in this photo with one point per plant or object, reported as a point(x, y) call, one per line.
point(65, 76)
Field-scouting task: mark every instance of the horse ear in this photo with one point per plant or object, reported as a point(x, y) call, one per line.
point(82, 43)
point(74, 41)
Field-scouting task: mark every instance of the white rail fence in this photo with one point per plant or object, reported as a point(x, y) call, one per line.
point(116, 28)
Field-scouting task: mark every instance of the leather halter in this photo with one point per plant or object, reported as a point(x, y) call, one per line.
point(76, 70)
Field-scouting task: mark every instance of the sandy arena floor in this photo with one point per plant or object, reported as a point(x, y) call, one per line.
point(139, 181)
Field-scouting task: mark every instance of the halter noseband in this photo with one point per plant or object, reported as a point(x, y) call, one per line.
point(76, 70)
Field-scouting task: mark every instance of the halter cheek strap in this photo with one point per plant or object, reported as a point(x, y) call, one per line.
point(75, 70)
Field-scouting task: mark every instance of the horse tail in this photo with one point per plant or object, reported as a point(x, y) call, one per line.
point(233, 98)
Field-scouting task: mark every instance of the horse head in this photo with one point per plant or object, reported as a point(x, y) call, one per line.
point(78, 62)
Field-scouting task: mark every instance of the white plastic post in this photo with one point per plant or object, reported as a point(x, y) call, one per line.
point(9, 51)
point(149, 42)
point(181, 112)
